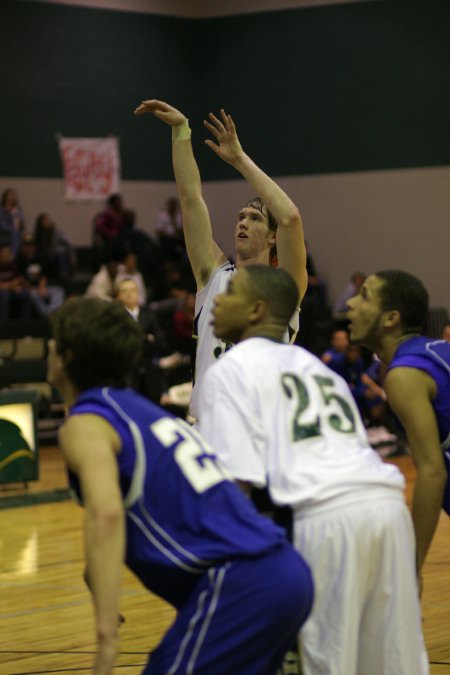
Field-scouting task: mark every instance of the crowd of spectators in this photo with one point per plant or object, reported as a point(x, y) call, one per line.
point(33, 264)
point(152, 277)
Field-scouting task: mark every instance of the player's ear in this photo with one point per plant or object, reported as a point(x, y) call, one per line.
point(258, 311)
point(392, 318)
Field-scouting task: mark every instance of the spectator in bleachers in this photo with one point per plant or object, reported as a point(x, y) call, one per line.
point(353, 368)
point(340, 306)
point(151, 379)
point(347, 361)
point(109, 223)
point(372, 380)
point(128, 269)
point(12, 222)
point(314, 309)
point(183, 321)
point(335, 356)
point(108, 229)
point(169, 229)
point(170, 288)
point(46, 297)
point(53, 249)
point(15, 297)
point(102, 284)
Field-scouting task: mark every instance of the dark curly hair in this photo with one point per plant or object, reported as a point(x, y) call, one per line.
point(99, 341)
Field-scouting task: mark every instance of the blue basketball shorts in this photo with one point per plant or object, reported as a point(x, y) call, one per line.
point(240, 619)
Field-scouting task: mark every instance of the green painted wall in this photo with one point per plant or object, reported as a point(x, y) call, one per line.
point(316, 90)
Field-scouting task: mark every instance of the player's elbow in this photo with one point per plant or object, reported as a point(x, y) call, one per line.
point(291, 218)
point(434, 473)
point(190, 196)
point(107, 516)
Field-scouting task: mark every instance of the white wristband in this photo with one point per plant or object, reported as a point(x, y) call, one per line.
point(181, 132)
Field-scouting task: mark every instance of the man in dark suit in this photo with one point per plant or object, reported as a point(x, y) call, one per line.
point(150, 380)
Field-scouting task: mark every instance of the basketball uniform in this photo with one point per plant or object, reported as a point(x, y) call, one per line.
point(433, 357)
point(281, 419)
point(195, 540)
point(207, 347)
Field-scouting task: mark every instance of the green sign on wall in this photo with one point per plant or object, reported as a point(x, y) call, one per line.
point(19, 457)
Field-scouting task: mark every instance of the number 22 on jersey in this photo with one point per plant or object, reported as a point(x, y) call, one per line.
point(194, 457)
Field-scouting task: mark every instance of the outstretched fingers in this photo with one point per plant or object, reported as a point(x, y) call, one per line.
point(230, 122)
point(226, 119)
point(222, 125)
point(214, 130)
point(211, 145)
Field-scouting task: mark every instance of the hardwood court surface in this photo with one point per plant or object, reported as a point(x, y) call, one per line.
point(46, 623)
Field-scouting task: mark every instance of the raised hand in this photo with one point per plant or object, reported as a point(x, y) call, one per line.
point(162, 111)
point(228, 148)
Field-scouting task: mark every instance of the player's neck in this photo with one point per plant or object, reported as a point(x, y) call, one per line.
point(260, 259)
point(271, 331)
point(390, 345)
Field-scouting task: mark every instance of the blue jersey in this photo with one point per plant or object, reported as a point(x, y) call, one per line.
point(183, 514)
point(433, 357)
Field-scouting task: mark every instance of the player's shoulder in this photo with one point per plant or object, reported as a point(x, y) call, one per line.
point(221, 273)
point(233, 363)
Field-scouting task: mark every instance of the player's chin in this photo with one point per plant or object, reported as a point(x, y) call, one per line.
point(218, 331)
point(353, 333)
point(241, 244)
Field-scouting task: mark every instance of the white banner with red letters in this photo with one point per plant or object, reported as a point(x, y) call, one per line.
point(91, 167)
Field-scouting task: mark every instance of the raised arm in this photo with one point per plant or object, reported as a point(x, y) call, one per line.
point(87, 442)
point(290, 239)
point(204, 254)
point(409, 393)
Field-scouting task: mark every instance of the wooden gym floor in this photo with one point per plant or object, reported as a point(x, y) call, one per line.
point(46, 623)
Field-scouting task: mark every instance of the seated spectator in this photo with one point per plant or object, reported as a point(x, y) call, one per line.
point(46, 297)
point(183, 321)
point(366, 386)
point(346, 360)
point(109, 223)
point(15, 297)
point(335, 356)
point(108, 229)
point(365, 383)
point(353, 368)
point(150, 380)
point(383, 430)
point(169, 229)
point(340, 306)
point(314, 309)
point(170, 289)
point(55, 253)
point(102, 284)
point(129, 269)
point(12, 222)
point(374, 393)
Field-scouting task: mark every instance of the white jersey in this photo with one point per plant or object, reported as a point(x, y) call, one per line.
point(210, 348)
point(279, 418)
